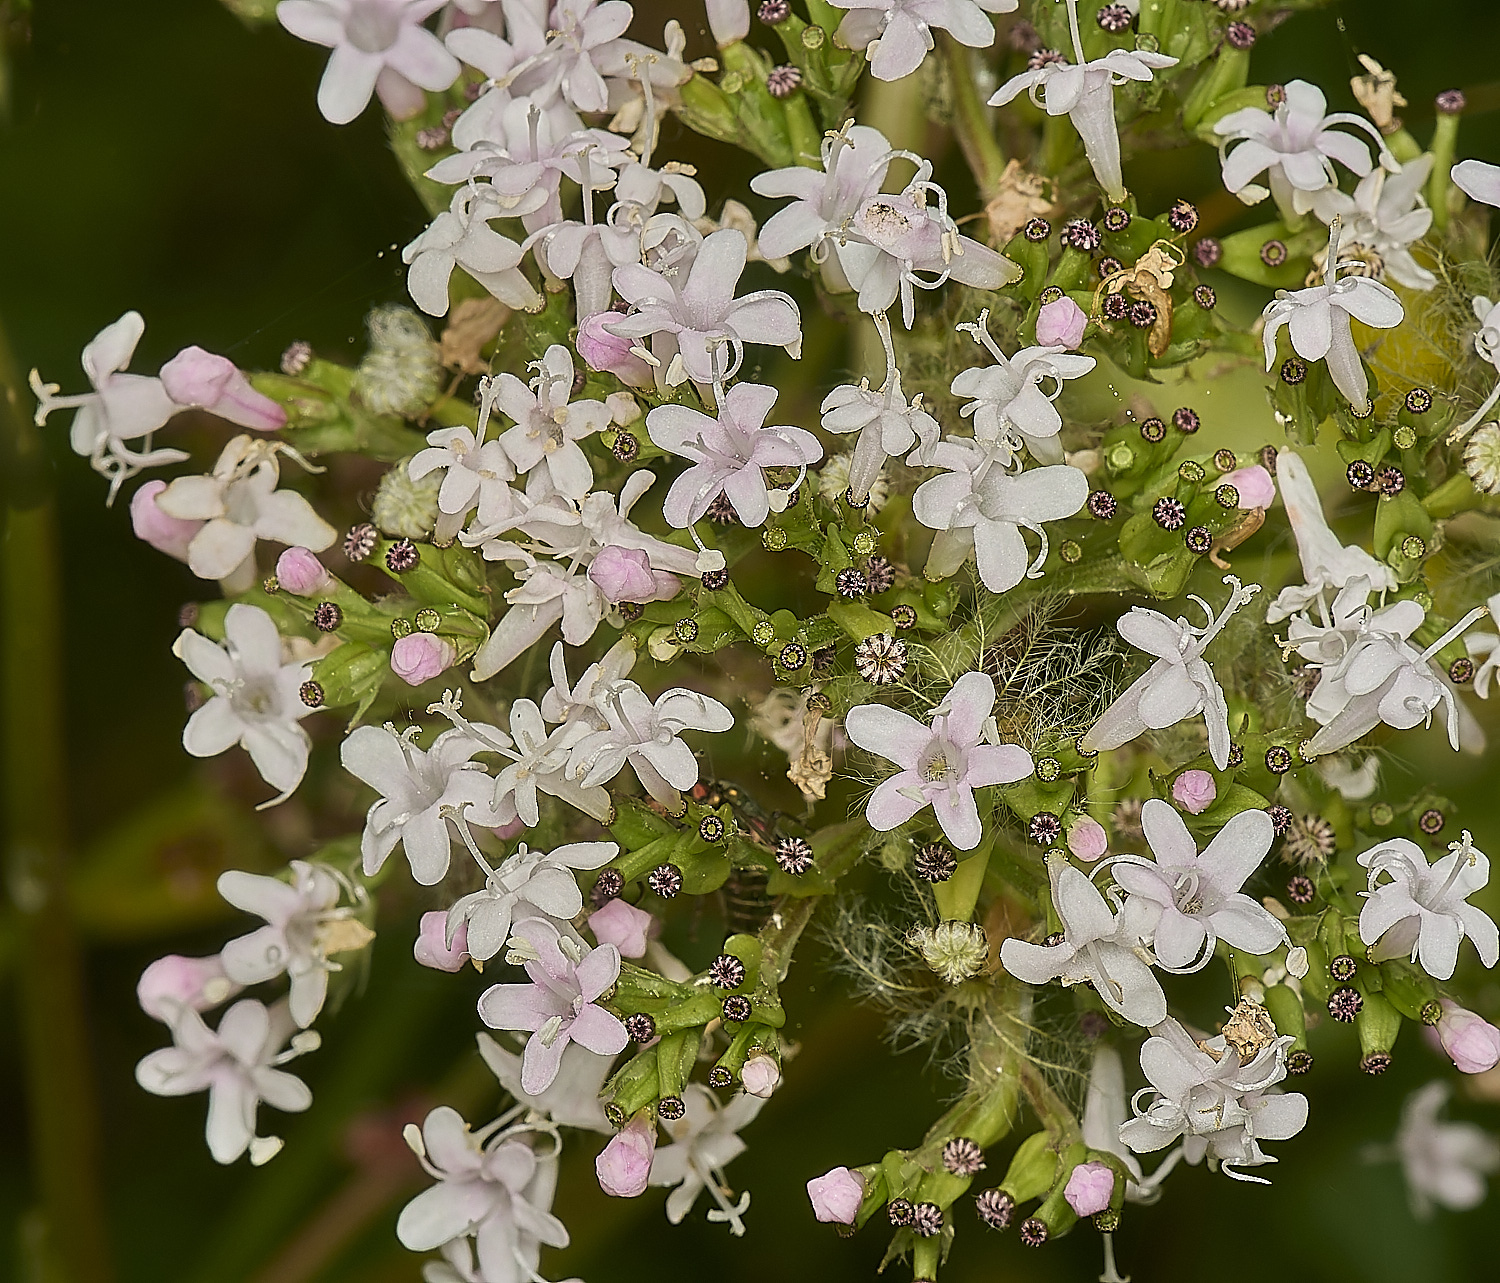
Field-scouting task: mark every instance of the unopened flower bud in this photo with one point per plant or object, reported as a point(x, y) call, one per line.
point(624, 926)
point(1254, 486)
point(609, 353)
point(1087, 839)
point(1194, 792)
point(172, 983)
point(761, 1076)
point(432, 948)
point(836, 1195)
point(1060, 324)
point(625, 574)
point(419, 657)
point(301, 573)
point(170, 535)
point(624, 1164)
point(196, 379)
point(1471, 1042)
point(1090, 1187)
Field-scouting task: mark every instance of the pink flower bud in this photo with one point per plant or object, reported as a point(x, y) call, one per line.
point(195, 378)
point(729, 20)
point(761, 1075)
point(1060, 323)
point(174, 982)
point(624, 926)
point(609, 353)
point(1090, 1188)
point(419, 657)
point(1087, 838)
point(1194, 791)
point(625, 574)
point(432, 948)
point(1471, 1041)
point(836, 1195)
point(170, 535)
point(624, 1164)
point(301, 573)
point(1255, 486)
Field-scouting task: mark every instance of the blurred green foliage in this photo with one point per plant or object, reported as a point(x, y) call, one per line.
point(168, 157)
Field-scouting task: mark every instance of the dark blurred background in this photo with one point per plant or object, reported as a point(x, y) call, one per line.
point(168, 158)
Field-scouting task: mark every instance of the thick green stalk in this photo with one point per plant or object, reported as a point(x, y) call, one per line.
point(971, 125)
point(65, 1128)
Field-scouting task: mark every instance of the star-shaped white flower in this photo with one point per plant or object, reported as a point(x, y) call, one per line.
point(1198, 894)
point(1319, 317)
point(461, 236)
point(1444, 1163)
point(896, 35)
point(255, 701)
point(527, 884)
point(1386, 214)
point(1421, 911)
point(704, 1142)
point(1179, 685)
point(1097, 948)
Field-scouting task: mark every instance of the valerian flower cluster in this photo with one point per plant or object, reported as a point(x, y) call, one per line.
point(611, 528)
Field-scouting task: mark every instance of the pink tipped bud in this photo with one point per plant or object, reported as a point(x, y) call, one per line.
point(761, 1076)
point(169, 984)
point(301, 573)
point(198, 379)
point(1060, 323)
point(836, 1195)
point(170, 535)
point(1255, 486)
point(1472, 1043)
point(729, 20)
point(625, 1163)
point(611, 354)
point(1087, 838)
point(432, 947)
point(625, 574)
point(1194, 791)
point(1090, 1188)
point(419, 657)
point(624, 926)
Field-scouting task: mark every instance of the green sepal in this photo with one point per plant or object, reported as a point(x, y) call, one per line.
point(1033, 1170)
point(1287, 1013)
point(352, 674)
point(1377, 1024)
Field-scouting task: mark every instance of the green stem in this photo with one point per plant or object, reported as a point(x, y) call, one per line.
point(65, 1124)
point(971, 125)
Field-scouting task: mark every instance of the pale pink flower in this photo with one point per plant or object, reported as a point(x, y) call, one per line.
point(419, 657)
point(434, 949)
point(623, 925)
point(607, 352)
point(1194, 791)
point(1090, 1188)
point(196, 379)
point(171, 535)
point(1060, 323)
point(297, 570)
point(1087, 839)
point(761, 1076)
point(173, 983)
point(624, 1164)
point(836, 1195)
point(625, 574)
point(1254, 485)
point(1471, 1042)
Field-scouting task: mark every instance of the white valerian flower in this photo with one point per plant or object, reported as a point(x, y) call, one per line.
point(303, 927)
point(461, 236)
point(548, 426)
point(239, 504)
point(1297, 143)
point(984, 503)
point(1445, 1163)
point(255, 701)
point(1006, 399)
point(1198, 893)
point(1327, 565)
point(475, 471)
point(572, 1099)
point(888, 425)
point(704, 1141)
point(730, 454)
point(1319, 318)
point(586, 699)
point(379, 47)
point(527, 884)
point(1386, 215)
point(648, 735)
point(1487, 345)
point(1478, 180)
point(1084, 91)
point(237, 1065)
point(1179, 685)
point(492, 1187)
point(419, 790)
point(121, 408)
point(697, 326)
point(1422, 911)
point(1105, 1111)
point(1097, 948)
point(896, 35)
point(1221, 1108)
point(1485, 647)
